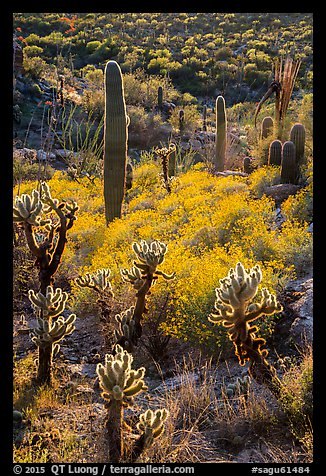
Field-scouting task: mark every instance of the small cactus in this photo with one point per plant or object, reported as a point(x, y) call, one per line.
point(239, 387)
point(247, 165)
point(165, 154)
point(275, 153)
point(125, 334)
point(298, 137)
point(266, 127)
point(181, 120)
point(160, 99)
point(289, 167)
point(220, 140)
point(205, 118)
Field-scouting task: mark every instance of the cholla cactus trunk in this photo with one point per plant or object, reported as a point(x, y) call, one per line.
point(220, 139)
point(115, 141)
point(298, 137)
point(172, 164)
point(266, 127)
point(275, 153)
point(113, 426)
point(44, 369)
point(289, 167)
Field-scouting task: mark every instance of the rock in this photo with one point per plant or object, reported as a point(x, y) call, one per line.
point(301, 329)
point(227, 173)
point(281, 192)
point(42, 156)
point(84, 370)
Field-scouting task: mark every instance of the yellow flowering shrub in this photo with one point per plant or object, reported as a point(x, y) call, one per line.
point(209, 224)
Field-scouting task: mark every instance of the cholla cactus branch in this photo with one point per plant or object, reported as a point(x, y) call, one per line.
point(51, 304)
point(235, 311)
point(125, 334)
point(99, 281)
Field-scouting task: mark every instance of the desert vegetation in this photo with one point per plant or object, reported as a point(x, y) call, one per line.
point(163, 238)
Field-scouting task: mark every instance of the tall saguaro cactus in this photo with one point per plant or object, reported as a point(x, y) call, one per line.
point(298, 137)
point(289, 167)
point(116, 124)
point(220, 140)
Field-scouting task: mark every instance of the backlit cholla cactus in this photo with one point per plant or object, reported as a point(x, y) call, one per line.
point(99, 282)
point(120, 384)
point(45, 221)
point(239, 387)
point(125, 334)
point(236, 312)
point(151, 426)
point(165, 154)
point(143, 275)
point(51, 328)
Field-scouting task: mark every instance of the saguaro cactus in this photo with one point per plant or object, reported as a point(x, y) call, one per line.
point(266, 127)
point(120, 384)
point(247, 165)
point(275, 153)
point(160, 99)
point(205, 118)
point(289, 167)
point(298, 137)
point(116, 124)
point(181, 120)
point(220, 138)
point(236, 312)
point(49, 332)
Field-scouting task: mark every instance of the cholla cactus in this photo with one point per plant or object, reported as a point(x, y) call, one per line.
point(133, 276)
point(165, 154)
point(239, 387)
point(99, 281)
point(48, 333)
point(28, 209)
point(125, 334)
point(143, 275)
point(120, 384)
point(235, 311)
point(51, 304)
point(46, 236)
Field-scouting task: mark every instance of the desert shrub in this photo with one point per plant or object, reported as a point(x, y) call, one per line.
point(192, 118)
point(144, 128)
point(300, 205)
point(262, 178)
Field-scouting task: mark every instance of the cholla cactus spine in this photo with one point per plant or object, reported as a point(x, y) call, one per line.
point(275, 153)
